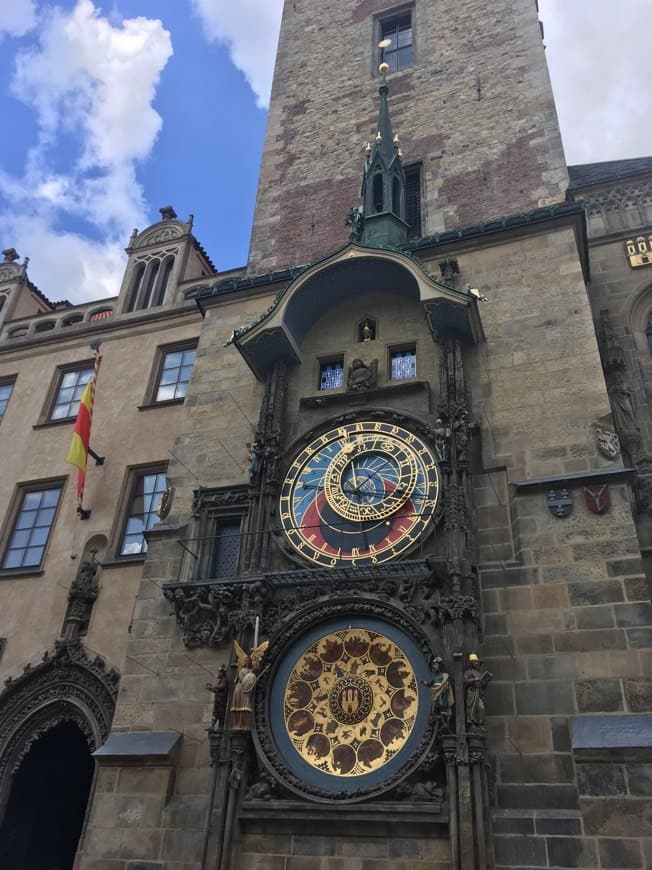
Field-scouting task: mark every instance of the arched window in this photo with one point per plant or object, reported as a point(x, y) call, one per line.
point(44, 326)
point(73, 319)
point(168, 265)
point(378, 192)
point(396, 196)
point(18, 331)
point(136, 281)
point(148, 283)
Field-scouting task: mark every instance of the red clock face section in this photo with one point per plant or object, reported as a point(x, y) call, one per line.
point(360, 494)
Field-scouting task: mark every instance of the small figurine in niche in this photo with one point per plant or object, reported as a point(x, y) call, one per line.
point(441, 692)
point(220, 690)
point(362, 376)
point(248, 671)
point(475, 682)
point(367, 330)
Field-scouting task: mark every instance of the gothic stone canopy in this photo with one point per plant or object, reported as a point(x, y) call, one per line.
point(352, 271)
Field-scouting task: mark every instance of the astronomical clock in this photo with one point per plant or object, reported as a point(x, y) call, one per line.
point(344, 708)
point(360, 494)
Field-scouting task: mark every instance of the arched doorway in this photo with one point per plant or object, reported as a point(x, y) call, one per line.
point(52, 718)
point(46, 807)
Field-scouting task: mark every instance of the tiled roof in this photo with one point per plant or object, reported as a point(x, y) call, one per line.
point(611, 170)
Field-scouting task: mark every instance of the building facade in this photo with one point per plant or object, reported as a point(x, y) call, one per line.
point(363, 583)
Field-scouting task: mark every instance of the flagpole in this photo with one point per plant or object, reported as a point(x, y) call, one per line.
point(80, 446)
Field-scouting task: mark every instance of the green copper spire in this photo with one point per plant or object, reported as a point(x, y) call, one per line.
point(383, 184)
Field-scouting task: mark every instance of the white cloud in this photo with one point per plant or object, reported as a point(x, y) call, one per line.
point(600, 66)
point(17, 17)
point(249, 28)
point(96, 82)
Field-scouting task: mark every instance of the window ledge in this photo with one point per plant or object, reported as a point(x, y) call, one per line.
point(332, 397)
point(125, 561)
point(149, 405)
point(47, 423)
point(15, 573)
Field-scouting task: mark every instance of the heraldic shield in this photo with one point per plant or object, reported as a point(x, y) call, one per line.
point(560, 502)
point(597, 498)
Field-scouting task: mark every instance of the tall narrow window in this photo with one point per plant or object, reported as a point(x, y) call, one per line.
point(134, 290)
point(69, 392)
point(175, 374)
point(32, 528)
point(6, 387)
point(378, 192)
point(398, 30)
point(150, 280)
point(146, 492)
point(226, 548)
point(165, 278)
point(413, 199)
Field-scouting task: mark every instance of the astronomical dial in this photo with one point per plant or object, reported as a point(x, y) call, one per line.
point(361, 494)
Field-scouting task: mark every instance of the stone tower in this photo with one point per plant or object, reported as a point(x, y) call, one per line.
point(471, 100)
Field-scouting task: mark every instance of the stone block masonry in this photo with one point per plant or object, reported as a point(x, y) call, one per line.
point(475, 109)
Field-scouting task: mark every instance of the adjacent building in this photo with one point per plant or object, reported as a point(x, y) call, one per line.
point(360, 576)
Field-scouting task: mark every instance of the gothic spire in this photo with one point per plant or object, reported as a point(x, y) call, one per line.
point(383, 184)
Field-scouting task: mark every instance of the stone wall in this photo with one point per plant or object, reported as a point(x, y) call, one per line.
point(476, 109)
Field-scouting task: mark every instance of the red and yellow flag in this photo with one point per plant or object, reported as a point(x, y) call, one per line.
point(78, 453)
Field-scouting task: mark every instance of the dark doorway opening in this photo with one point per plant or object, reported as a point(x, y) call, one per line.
point(47, 803)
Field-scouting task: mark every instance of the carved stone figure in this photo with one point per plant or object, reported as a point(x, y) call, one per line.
point(256, 463)
point(462, 427)
point(442, 436)
point(355, 220)
point(361, 376)
point(441, 692)
point(248, 670)
point(475, 682)
point(220, 690)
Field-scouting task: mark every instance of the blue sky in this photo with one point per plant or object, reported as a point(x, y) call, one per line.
point(111, 110)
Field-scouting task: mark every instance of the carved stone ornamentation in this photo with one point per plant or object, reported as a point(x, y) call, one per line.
point(66, 686)
point(81, 597)
point(362, 376)
point(458, 607)
point(207, 499)
point(211, 614)
point(606, 441)
point(155, 237)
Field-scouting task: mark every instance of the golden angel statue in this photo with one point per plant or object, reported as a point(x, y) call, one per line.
point(248, 672)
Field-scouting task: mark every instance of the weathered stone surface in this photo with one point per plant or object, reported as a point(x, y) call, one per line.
point(621, 854)
point(639, 695)
point(639, 777)
point(601, 779)
point(520, 851)
point(544, 797)
point(617, 817)
point(598, 696)
point(571, 852)
point(552, 697)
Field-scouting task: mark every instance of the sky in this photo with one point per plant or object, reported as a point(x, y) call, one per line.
point(113, 109)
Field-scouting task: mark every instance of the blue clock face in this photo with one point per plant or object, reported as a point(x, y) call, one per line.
point(360, 494)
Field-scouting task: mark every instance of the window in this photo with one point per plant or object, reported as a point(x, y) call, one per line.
point(398, 30)
point(175, 373)
point(226, 548)
point(69, 392)
point(403, 364)
point(331, 375)
point(31, 529)
point(413, 200)
point(147, 489)
point(6, 386)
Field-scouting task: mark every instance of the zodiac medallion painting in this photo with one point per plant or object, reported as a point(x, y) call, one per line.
point(349, 710)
